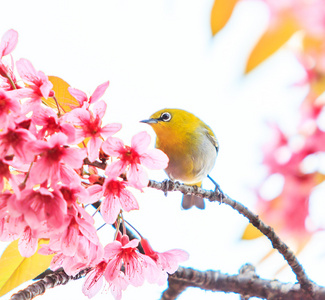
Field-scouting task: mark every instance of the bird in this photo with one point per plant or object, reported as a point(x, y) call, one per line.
point(190, 145)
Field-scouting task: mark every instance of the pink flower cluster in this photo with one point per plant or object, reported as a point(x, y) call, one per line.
point(309, 14)
point(286, 154)
point(45, 180)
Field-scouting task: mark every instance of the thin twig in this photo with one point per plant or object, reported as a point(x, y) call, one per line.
point(97, 164)
point(268, 231)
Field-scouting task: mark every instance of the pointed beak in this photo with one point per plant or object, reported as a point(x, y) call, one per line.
point(150, 121)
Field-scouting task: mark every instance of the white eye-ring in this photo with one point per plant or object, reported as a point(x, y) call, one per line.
point(166, 116)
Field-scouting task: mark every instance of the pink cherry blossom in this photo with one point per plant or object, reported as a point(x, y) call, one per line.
point(88, 254)
point(8, 103)
point(310, 14)
point(13, 141)
point(137, 266)
point(82, 97)
point(28, 242)
point(38, 206)
point(94, 280)
point(134, 157)
point(116, 197)
point(6, 232)
point(38, 85)
point(8, 43)
point(90, 125)
point(51, 123)
point(53, 154)
point(167, 261)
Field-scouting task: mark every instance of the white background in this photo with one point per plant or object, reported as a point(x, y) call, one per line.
point(160, 54)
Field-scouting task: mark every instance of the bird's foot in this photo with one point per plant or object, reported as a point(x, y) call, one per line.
point(218, 190)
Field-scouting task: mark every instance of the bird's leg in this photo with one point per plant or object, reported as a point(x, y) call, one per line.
point(165, 186)
point(217, 188)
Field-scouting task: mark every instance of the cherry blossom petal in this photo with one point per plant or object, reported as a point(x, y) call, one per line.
point(113, 146)
point(8, 42)
point(80, 96)
point(140, 142)
point(128, 201)
point(112, 249)
point(170, 260)
point(79, 116)
point(88, 230)
point(110, 208)
point(69, 241)
point(110, 129)
point(99, 109)
point(93, 148)
point(26, 70)
point(99, 92)
point(93, 283)
point(131, 244)
point(119, 284)
point(154, 159)
point(95, 193)
point(46, 86)
point(74, 157)
point(137, 176)
point(115, 169)
point(27, 244)
point(113, 268)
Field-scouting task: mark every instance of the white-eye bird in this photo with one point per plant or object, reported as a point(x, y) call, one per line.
point(191, 146)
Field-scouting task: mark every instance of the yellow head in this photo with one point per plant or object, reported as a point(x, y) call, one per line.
point(172, 122)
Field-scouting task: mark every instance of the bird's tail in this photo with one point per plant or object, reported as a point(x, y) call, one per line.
point(192, 200)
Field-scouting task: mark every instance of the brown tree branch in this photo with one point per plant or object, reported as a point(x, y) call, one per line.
point(49, 281)
point(168, 185)
point(246, 283)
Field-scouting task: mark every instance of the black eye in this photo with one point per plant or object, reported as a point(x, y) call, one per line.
point(166, 116)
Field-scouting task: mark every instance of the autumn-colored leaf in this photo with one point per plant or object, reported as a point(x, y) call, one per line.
point(64, 98)
point(272, 40)
point(221, 13)
point(16, 269)
point(251, 233)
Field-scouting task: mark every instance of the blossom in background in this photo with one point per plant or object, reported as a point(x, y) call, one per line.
point(133, 158)
point(309, 14)
point(89, 125)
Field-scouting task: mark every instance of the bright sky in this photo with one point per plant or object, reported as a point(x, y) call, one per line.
point(160, 54)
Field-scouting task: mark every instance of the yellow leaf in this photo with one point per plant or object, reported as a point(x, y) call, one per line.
point(221, 13)
point(251, 233)
point(64, 98)
point(16, 269)
point(272, 40)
